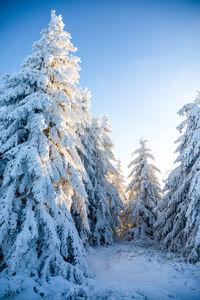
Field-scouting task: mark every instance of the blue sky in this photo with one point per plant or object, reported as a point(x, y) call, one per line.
point(140, 59)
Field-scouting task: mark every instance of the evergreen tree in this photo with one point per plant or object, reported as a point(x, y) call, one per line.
point(178, 225)
point(78, 130)
point(114, 201)
point(102, 219)
point(143, 195)
point(119, 182)
point(40, 173)
point(108, 146)
point(94, 161)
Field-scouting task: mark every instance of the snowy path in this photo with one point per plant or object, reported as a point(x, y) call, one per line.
point(134, 272)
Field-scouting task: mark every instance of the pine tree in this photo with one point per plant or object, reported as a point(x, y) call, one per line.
point(92, 157)
point(143, 195)
point(115, 203)
point(108, 146)
point(40, 173)
point(102, 219)
point(178, 225)
point(119, 181)
point(78, 130)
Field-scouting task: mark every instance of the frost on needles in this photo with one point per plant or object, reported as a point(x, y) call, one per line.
point(41, 172)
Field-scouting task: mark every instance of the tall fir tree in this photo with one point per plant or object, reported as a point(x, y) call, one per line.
point(178, 225)
point(40, 173)
point(143, 195)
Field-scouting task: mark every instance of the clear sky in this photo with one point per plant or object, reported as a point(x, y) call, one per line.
point(140, 59)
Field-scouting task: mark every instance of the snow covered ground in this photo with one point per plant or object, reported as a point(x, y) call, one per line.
point(130, 271)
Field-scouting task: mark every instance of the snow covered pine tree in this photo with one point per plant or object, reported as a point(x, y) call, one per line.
point(40, 248)
point(115, 203)
point(101, 218)
point(98, 210)
point(143, 195)
point(119, 182)
point(178, 225)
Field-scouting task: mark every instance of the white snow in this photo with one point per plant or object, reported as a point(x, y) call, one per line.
point(128, 270)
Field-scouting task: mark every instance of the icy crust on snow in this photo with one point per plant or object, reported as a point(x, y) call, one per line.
point(133, 270)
